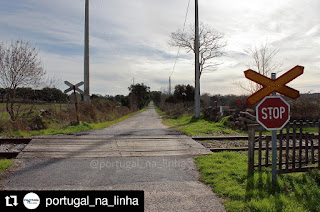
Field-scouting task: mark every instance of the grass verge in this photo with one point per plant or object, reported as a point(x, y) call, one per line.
point(36, 107)
point(204, 127)
point(226, 173)
point(72, 129)
point(4, 164)
point(201, 127)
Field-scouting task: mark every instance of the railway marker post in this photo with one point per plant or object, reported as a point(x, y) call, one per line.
point(75, 88)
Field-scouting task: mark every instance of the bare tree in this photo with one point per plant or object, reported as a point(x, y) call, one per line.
point(263, 62)
point(19, 67)
point(52, 81)
point(211, 45)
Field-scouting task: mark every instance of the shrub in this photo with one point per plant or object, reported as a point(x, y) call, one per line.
point(88, 113)
point(96, 111)
point(37, 123)
point(306, 107)
point(34, 121)
point(174, 110)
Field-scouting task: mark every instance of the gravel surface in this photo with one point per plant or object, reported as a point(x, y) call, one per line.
point(11, 147)
point(170, 183)
point(224, 143)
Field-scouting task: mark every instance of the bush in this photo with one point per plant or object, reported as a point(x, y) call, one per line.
point(305, 109)
point(2, 124)
point(34, 121)
point(88, 113)
point(96, 111)
point(103, 105)
point(38, 123)
point(174, 110)
point(16, 125)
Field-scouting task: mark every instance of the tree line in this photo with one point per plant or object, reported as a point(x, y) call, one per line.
point(139, 96)
point(26, 95)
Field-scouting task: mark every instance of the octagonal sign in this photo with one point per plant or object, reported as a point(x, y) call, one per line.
point(273, 113)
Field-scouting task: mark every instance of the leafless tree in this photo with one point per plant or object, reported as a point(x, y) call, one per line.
point(52, 81)
point(211, 45)
point(263, 62)
point(19, 66)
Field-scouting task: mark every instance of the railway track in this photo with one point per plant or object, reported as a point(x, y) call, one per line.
point(11, 147)
point(233, 138)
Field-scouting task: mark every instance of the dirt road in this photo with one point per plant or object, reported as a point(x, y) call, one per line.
point(139, 153)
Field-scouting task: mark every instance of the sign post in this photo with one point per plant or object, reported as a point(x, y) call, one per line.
point(273, 112)
point(75, 88)
point(274, 143)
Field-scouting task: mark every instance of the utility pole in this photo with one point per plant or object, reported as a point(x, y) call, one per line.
point(169, 86)
point(197, 66)
point(86, 54)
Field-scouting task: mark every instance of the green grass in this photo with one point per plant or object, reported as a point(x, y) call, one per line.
point(226, 173)
point(202, 127)
point(72, 129)
point(37, 106)
point(4, 164)
point(4, 115)
point(160, 112)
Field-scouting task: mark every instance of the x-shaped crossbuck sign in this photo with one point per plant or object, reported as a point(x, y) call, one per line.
point(273, 85)
point(73, 87)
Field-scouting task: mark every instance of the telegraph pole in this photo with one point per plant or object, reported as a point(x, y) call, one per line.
point(197, 66)
point(86, 54)
point(169, 86)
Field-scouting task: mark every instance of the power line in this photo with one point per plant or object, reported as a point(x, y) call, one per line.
point(184, 24)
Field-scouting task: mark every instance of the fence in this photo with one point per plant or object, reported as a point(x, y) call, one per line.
point(297, 149)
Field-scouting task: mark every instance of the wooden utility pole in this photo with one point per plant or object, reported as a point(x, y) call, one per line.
point(169, 86)
point(197, 66)
point(75, 88)
point(75, 99)
point(86, 54)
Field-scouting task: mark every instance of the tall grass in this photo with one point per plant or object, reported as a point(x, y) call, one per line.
point(204, 127)
point(83, 126)
point(49, 120)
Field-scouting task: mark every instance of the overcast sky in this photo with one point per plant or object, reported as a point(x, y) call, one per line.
point(129, 39)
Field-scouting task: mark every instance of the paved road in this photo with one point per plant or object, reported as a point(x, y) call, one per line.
point(139, 153)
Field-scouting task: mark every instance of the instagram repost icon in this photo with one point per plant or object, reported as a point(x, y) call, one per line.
point(31, 200)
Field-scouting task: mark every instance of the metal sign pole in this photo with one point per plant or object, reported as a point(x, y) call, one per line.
point(274, 145)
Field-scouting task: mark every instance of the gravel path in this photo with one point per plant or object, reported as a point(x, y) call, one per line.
point(224, 143)
point(169, 177)
point(11, 147)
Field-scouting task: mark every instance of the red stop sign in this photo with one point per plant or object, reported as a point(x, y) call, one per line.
point(273, 113)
